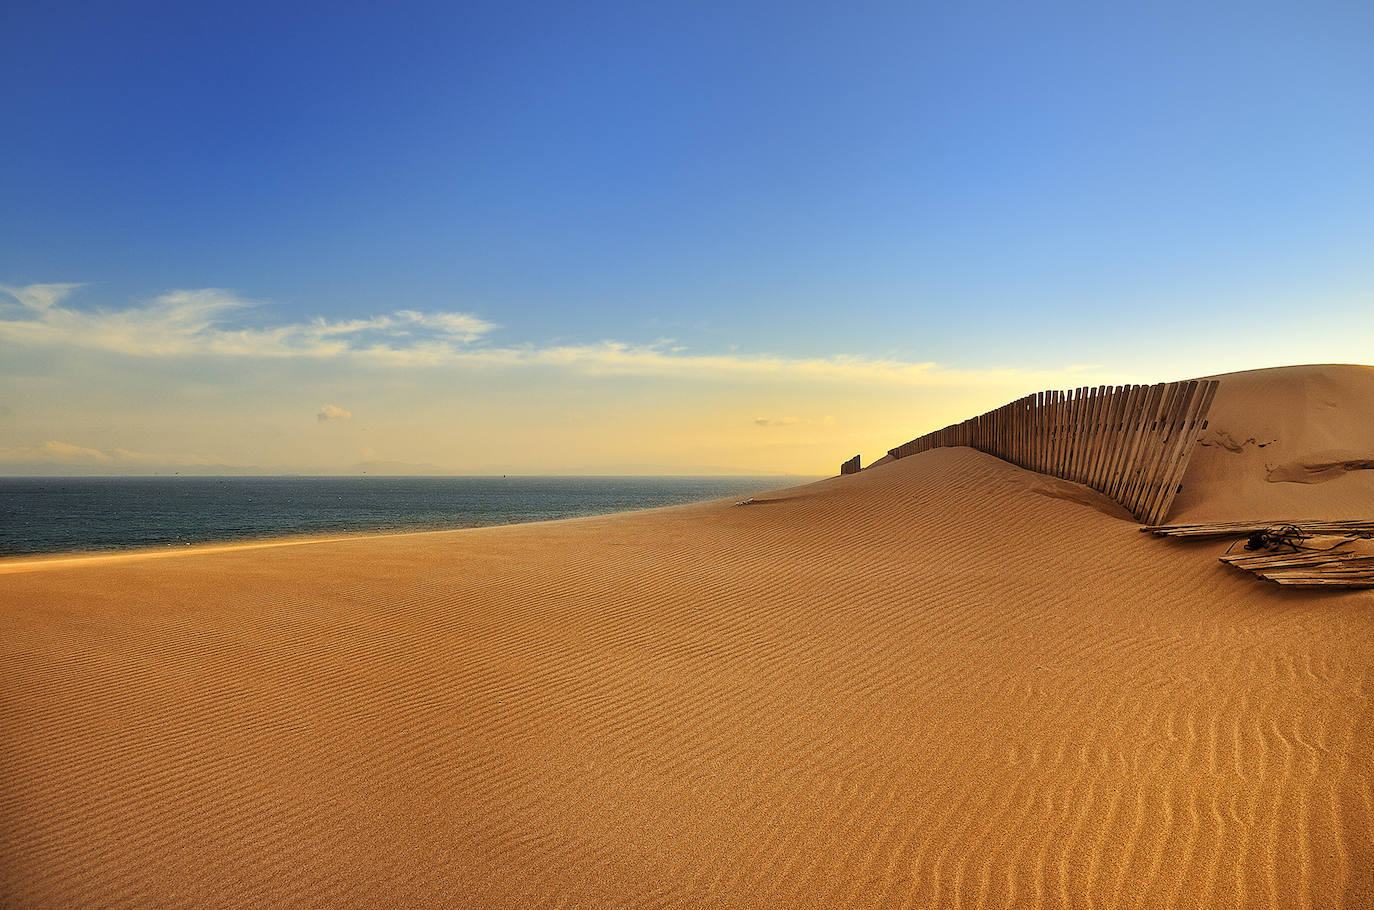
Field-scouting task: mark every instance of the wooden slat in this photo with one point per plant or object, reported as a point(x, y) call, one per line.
point(1196, 424)
point(1039, 416)
point(1180, 445)
point(1151, 441)
point(1097, 400)
point(1061, 463)
point(1156, 443)
point(1105, 435)
point(1158, 490)
point(1066, 448)
point(1360, 570)
point(1096, 418)
point(1314, 582)
point(1051, 428)
point(1296, 560)
point(1084, 434)
point(1171, 447)
point(1061, 421)
point(1130, 442)
point(1152, 444)
point(1112, 398)
point(1071, 417)
point(1309, 568)
point(1137, 431)
point(1130, 412)
point(1078, 422)
point(1245, 528)
point(1134, 406)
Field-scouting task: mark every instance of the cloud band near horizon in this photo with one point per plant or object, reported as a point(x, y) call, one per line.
point(202, 323)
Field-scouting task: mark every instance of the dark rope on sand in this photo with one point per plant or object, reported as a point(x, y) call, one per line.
point(1290, 536)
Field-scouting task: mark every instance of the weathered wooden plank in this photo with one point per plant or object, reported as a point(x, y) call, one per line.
point(1051, 427)
point(1246, 528)
point(1156, 441)
point(1311, 582)
point(1065, 433)
point(1096, 416)
point(1182, 451)
point(1110, 436)
point(1196, 423)
point(1089, 437)
point(1137, 430)
point(1149, 449)
point(1074, 418)
point(1319, 571)
point(1171, 430)
point(1177, 445)
point(1292, 560)
point(1130, 408)
point(1077, 424)
point(1100, 448)
point(1066, 445)
point(1041, 430)
point(1097, 403)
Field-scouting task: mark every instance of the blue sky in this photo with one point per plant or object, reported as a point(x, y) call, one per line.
point(999, 189)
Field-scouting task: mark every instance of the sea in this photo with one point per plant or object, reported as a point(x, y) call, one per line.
point(43, 515)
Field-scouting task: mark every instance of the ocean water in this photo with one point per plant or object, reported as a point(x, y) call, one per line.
point(65, 514)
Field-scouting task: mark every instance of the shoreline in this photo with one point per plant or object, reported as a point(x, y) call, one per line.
point(13, 561)
point(19, 563)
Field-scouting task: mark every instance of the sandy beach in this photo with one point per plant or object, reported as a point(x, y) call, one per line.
point(942, 682)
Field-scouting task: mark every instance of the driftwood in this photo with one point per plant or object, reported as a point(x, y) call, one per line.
point(1246, 528)
point(1280, 556)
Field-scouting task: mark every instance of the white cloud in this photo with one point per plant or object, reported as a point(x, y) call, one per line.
point(664, 359)
point(793, 421)
point(333, 412)
point(40, 297)
point(61, 452)
point(197, 322)
point(57, 452)
point(200, 323)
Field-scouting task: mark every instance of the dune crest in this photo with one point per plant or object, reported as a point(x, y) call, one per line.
point(1288, 442)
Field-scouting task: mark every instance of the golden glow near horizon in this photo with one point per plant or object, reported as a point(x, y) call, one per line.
point(172, 385)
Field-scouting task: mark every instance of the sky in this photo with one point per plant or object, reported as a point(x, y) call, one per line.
point(653, 238)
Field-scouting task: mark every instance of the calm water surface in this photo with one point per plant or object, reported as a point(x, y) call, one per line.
point(63, 514)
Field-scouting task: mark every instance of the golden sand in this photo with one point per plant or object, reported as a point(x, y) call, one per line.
point(942, 682)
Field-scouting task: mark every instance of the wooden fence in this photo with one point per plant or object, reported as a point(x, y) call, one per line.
point(851, 466)
point(1131, 443)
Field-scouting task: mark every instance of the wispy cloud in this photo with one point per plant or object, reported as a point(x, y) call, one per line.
point(666, 359)
point(208, 322)
point(198, 322)
point(65, 453)
point(40, 298)
point(333, 412)
point(791, 421)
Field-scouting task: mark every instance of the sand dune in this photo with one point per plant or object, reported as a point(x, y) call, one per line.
point(1294, 442)
point(942, 682)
